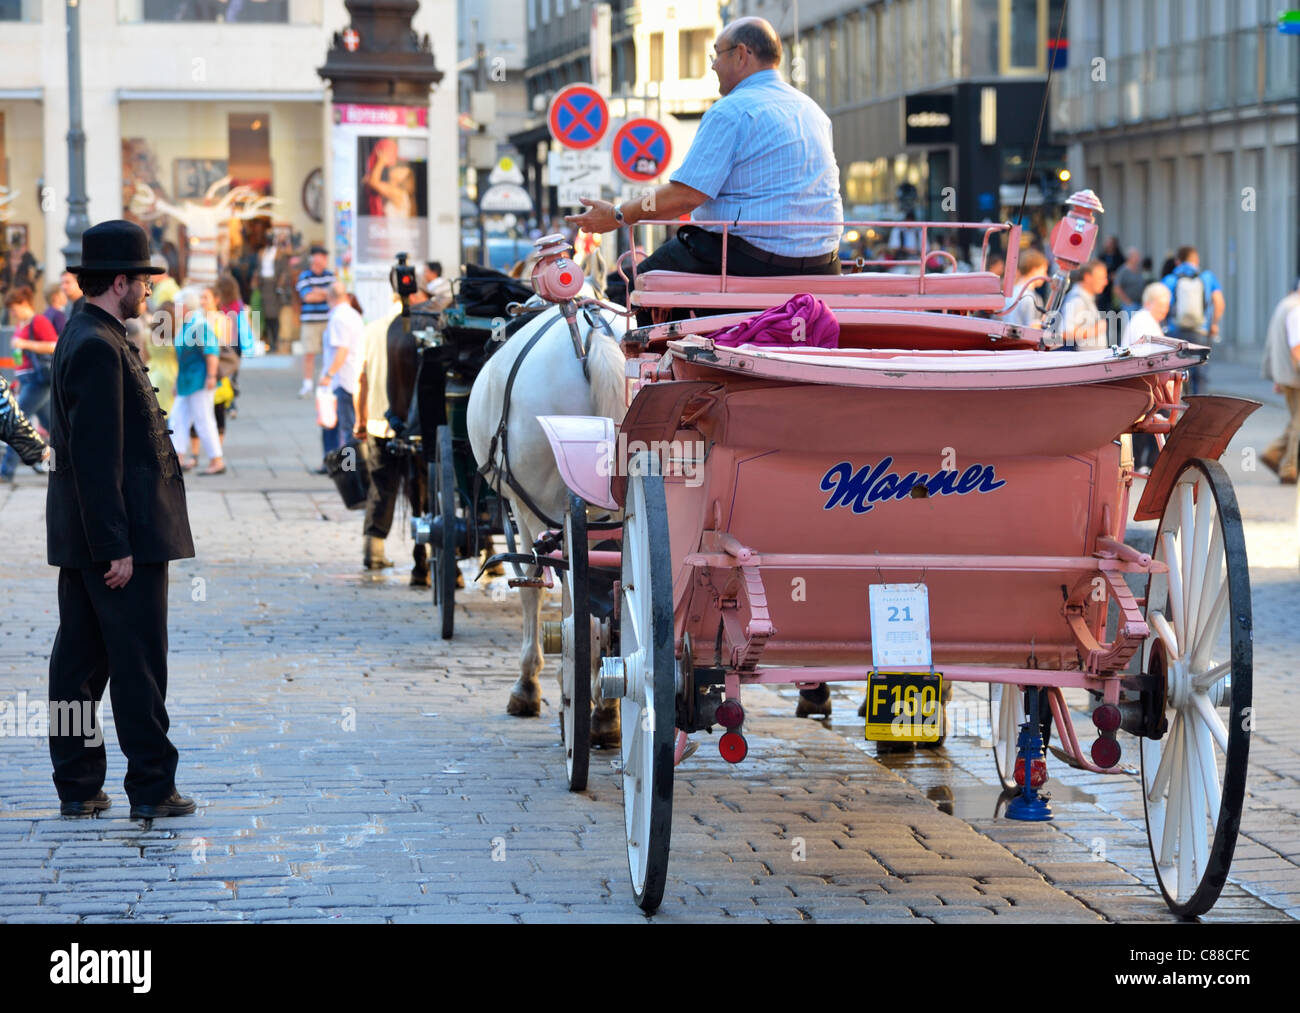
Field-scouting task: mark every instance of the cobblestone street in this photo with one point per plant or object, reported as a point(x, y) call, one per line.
point(351, 765)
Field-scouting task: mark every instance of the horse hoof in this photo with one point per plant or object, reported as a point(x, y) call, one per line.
point(606, 732)
point(814, 701)
point(524, 702)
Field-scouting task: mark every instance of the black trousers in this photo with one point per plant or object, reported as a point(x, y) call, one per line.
point(700, 252)
point(116, 639)
point(389, 474)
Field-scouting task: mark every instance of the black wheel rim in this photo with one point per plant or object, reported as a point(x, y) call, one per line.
point(575, 696)
point(444, 576)
point(646, 624)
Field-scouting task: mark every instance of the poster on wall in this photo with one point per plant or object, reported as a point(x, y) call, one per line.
point(392, 197)
point(379, 167)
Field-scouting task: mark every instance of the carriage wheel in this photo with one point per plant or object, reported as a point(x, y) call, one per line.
point(575, 699)
point(648, 710)
point(1007, 714)
point(1194, 776)
point(442, 502)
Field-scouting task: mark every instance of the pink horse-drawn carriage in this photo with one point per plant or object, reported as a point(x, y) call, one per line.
point(941, 497)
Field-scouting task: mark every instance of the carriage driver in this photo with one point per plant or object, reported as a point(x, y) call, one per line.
point(762, 153)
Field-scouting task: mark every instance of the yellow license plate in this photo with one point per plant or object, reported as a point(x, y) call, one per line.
point(904, 706)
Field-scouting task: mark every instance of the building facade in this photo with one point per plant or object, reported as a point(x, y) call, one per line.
point(934, 103)
point(178, 93)
point(1183, 118)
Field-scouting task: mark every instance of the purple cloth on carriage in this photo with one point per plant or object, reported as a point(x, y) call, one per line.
point(801, 320)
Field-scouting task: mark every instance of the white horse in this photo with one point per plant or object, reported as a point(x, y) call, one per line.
point(550, 381)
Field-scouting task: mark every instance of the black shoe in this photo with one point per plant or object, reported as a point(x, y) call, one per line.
point(90, 807)
point(174, 805)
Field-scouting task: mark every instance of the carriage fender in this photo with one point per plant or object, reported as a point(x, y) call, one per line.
point(1205, 430)
point(583, 446)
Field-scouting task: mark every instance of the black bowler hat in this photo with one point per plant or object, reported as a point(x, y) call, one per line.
point(117, 247)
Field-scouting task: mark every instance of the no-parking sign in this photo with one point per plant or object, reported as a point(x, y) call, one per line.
point(641, 150)
point(578, 116)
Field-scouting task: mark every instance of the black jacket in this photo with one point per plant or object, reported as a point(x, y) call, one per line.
point(16, 430)
point(115, 483)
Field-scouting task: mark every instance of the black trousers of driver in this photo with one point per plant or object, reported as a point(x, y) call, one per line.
point(115, 490)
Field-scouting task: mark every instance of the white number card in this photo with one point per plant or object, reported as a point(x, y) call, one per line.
point(900, 625)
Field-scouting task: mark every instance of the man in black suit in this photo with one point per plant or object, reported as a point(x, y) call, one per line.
point(115, 515)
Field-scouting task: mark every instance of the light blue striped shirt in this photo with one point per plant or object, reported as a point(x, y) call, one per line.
point(763, 153)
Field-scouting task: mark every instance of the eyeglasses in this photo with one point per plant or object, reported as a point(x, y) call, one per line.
point(146, 281)
point(718, 52)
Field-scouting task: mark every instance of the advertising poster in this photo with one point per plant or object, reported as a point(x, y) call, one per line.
point(392, 205)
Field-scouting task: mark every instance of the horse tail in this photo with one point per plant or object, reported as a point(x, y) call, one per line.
point(605, 365)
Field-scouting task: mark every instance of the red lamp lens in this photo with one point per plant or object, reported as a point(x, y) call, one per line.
point(730, 714)
point(733, 747)
point(1106, 717)
point(566, 278)
point(1106, 752)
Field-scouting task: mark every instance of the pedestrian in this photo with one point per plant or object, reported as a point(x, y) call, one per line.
point(72, 289)
point(1147, 324)
point(270, 268)
point(1195, 310)
point(313, 294)
point(17, 431)
point(1031, 274)
point(234, 328)
point(115, 516)
point(163, 366)
point(1127, 283)
point(436, 286)
point(55, 304)
point(385, 467)
point(1114, 260)
point(35, 338)
point(343, 346)
point(1282, 366)
point(197, 358)
point(1082, 324)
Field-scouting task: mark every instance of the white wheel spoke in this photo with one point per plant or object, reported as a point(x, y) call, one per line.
point(1208, 635)
point(1212, 720)
point(1160, 783)
point(1205, 680)
point(1165, 632)
point(1173, 817)
point(1186, 525)
point(1209, 770)
point(1175, 588)
point(1198, 574)
point(1186, 820)
point(1215, 578)
point(1194, 800)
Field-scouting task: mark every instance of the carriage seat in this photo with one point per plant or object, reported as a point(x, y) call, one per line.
point(977, 290)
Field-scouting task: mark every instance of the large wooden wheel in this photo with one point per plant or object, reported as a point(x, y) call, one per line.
point(1194, 776)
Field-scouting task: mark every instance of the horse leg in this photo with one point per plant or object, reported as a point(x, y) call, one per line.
point(526, 694)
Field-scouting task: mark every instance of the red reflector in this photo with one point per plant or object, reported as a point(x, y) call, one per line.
point(1076, 239)
point(566, 278)
point(1106, 752)
point(1106, 717)
point(733, 747)
point(730, 714)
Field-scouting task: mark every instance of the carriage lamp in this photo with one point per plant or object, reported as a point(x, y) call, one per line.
point(1072, 241)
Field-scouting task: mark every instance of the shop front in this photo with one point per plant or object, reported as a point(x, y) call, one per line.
point(22, 221)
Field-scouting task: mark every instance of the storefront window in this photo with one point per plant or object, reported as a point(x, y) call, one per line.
point(693, 53)
point(229, 11)
point(20, 10)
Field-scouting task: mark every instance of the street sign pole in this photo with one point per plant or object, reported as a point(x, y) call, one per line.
point(1288, 23)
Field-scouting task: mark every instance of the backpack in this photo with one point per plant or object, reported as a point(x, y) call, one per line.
point(1189, 302)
